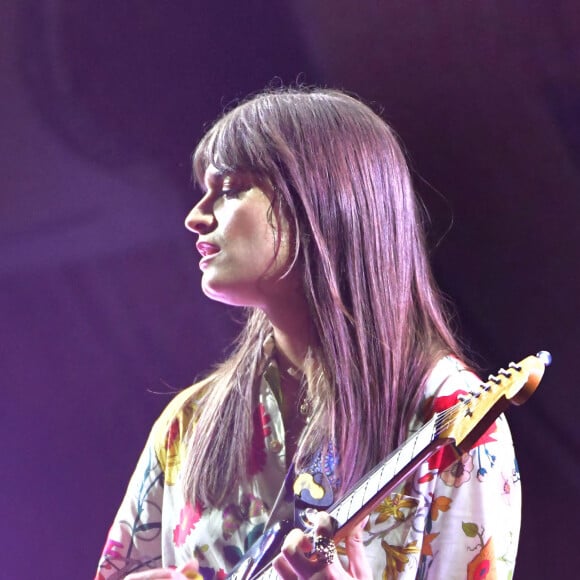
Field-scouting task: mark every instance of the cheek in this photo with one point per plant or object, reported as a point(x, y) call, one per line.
point(284, 255)
point(251, 234)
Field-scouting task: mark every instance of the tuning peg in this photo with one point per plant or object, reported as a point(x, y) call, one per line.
point(545, 357)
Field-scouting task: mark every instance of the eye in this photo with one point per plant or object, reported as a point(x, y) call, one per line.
point(229, 193)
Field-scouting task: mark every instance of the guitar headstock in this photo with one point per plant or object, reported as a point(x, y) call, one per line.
point(476, 411)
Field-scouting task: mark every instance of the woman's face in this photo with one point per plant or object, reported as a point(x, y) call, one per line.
point(244, 242)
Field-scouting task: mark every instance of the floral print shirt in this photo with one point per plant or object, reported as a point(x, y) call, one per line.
point(451, 518)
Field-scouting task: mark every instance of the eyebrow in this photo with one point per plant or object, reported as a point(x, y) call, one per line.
point(213, 178)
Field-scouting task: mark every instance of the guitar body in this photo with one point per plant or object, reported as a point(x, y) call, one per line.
point(262, 552)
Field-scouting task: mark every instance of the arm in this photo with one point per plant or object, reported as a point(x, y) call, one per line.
point(473, 520)
point(452, 519)
point(472, 506)
point(134, 540)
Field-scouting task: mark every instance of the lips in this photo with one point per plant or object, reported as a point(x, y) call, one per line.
point(207, 249)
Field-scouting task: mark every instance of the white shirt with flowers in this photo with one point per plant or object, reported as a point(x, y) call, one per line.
point(451, 519)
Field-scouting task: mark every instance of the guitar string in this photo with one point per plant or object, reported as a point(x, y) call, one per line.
point(448, 416)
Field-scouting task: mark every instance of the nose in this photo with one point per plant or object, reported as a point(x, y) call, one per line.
point(200, 219)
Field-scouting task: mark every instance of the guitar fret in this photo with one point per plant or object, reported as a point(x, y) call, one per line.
point(348, 506)
point(337, 514)
point(365, 488)
point(406, 453)
point(387, 472)
point(374, 482)
point(427, 434)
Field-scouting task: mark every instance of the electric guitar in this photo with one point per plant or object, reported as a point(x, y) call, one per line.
point(460, 426)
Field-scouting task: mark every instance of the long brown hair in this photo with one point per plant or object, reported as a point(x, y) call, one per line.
point(340, 174)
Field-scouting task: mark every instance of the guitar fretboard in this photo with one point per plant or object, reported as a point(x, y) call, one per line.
point(368, 492)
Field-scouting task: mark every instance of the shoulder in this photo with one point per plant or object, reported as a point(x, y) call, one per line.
point(448, 376)
point(171, 428)
point(184, 402)
point(448, 381)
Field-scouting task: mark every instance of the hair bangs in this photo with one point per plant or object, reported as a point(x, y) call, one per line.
point(235, 142)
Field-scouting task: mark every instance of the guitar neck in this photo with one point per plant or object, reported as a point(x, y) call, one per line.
point(368, 493)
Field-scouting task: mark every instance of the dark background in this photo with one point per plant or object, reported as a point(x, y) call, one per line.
point(101, 104)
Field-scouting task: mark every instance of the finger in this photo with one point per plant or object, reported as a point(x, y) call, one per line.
point(190, 570)
point(324, 530)
point(294, 550)
point(283, 568)
point(157, 574)
point(359, 566)
point(325, 525)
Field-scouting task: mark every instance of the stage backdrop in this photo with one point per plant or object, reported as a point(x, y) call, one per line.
point(102, 318)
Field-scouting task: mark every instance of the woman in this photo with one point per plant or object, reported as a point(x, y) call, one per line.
point(308, 219)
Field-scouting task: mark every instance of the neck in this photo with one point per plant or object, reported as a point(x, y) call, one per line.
point(294, 336)
point(289, 313)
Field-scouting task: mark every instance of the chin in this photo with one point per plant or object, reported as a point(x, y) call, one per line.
point(226, 294)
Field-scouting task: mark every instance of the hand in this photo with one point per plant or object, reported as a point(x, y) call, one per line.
point(189, 571)
point(294, 562)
